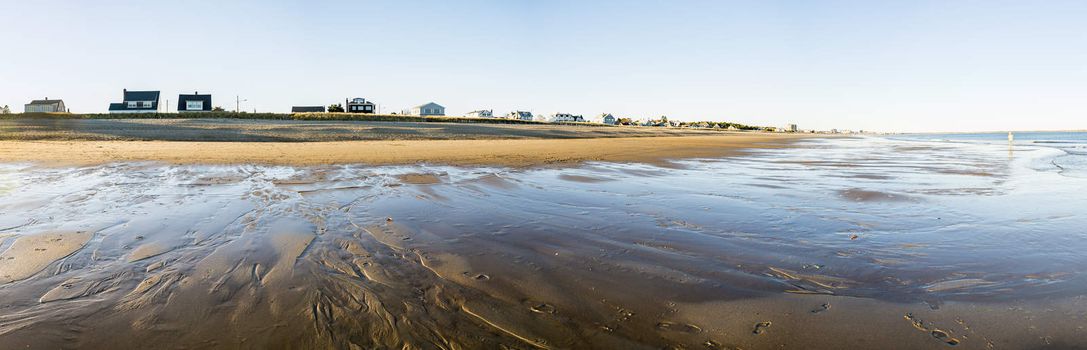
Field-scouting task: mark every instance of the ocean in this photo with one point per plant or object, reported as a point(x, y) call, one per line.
point(1071, 160)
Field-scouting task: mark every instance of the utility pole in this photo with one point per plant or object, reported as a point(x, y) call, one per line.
point(238, 103)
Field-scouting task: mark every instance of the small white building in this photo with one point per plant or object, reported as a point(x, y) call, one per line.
point(566, 118)
point(483, 113)
point(45, 106)
point(428, 109)
point(520, 115)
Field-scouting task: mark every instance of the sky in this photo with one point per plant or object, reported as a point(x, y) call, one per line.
point(903, 66)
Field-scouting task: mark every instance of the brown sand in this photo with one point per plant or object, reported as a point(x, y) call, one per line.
point(32, 253)
point(517, 153)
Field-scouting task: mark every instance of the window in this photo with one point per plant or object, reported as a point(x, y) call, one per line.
point(132, 104)
point(194, 105)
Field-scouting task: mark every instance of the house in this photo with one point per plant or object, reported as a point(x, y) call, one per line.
point(308, 109)
point(607, 118)
point(193, 103)
point(564, 117)
point(359, 105)
point(520, 115)
point(45, 106)
point(427, 109)
point(483, 113)
point(137, 102)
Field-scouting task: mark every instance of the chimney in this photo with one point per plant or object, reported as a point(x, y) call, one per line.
point(196, 92)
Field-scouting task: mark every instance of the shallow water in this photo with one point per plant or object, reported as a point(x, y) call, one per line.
point(860, 242)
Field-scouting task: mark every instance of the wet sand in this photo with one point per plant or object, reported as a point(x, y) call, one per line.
point(502, 152)
point(761, 250)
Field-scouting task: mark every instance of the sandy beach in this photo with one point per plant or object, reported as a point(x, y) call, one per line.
point(517, 153)
point(85, 142)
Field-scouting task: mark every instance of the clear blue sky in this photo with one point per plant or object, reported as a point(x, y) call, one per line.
point(874, 65)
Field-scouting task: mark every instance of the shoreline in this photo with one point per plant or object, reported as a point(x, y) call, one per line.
point(500, 152)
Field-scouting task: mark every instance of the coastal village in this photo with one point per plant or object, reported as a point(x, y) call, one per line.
point(150, 102)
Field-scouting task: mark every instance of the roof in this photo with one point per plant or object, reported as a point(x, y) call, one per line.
point(307, 109)
point(429, 104)
point(45, 102)
point(141, 95)
point(182, 99)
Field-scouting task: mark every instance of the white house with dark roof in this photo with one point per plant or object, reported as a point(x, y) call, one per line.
point(137, 102)
point(483, 113)
point(427, 109)
point(566, 117)
point(520, 115)
point(45, 106)
point(193, 103)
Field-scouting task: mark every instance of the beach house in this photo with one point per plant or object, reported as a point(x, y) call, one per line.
point(427, 109)
point(566, 117)
point(607, 118)
point(483, 113)
point(520, 115)
point(45, 106)
point(359, 105)
point(308, 109)
point(193, 103)
point(136, 102)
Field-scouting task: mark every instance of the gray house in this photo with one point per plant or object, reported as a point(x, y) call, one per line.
point(607, 118)
point(308, 109)
point(45, 106)
point(427, 109)
point(137, 102)
point(193, 103)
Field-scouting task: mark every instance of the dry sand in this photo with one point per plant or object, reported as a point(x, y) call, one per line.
point(505, 152)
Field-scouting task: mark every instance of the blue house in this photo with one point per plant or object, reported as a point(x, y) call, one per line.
point(137, 102)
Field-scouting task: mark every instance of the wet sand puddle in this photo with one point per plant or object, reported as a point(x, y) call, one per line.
point(775, 249)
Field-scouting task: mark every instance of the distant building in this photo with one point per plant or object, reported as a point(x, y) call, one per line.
point(359, 105)
point(137, 102)
point(791, 128)
point(193, 103)
point(308, 109)
point(45, 106)
point(427, 109)
point(607, 118)
point(484, 113)
point(520, 115)
point(565, 117)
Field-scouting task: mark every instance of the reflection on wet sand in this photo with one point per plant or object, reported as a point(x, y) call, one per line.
point(711, 254)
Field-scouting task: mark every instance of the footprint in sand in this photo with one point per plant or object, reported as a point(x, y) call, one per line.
point(479, 277)
point(944, 337)
point(940, 335)
point(761, 327)
point(666, 326)
point(821, 308)
point(543, 308)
